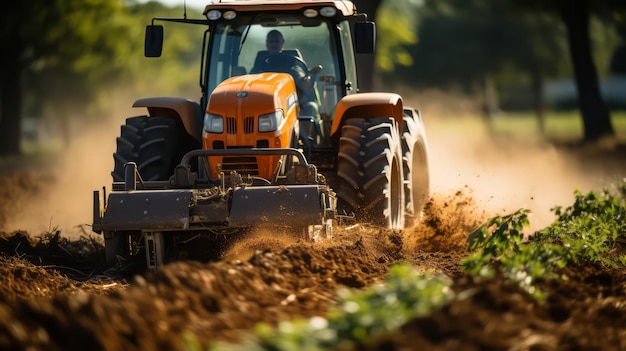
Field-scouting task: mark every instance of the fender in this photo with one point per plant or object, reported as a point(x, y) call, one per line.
point(185, 110)
point(364, 105)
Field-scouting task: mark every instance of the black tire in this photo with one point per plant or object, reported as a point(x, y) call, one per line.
point(151, 142)
point(157, 145)
point(415, 165)
point(369, 172)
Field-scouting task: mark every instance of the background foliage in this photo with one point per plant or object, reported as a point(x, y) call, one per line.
point(74, 57)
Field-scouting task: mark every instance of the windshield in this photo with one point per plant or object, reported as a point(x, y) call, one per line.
point(237, 45)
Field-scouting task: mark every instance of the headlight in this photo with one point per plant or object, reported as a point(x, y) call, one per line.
point(230, 15)
point(310, 13)
point(270, 121)
point(213, 15)
point(213, 123)
point(328, 11)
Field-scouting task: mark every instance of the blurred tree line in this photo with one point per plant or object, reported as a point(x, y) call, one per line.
point(504, 51)
point(68, 59)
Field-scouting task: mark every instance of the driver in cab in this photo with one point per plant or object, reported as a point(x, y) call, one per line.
point(277, 61)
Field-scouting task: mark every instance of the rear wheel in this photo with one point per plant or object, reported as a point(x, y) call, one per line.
point(415, 165)
point(369, 172)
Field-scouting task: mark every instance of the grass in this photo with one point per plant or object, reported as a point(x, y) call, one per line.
point(565, 125)
point(560, 126)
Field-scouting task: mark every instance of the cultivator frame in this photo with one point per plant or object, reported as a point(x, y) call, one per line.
point(297, 199)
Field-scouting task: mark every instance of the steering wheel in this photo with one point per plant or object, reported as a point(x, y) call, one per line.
point(285, 63)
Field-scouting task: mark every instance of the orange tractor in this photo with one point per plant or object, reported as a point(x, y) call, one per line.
point(279, 139)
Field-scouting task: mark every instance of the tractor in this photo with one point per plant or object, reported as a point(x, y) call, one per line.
point(277, 139)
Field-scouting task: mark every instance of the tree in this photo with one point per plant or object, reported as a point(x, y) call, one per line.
point(480, 45)
point(53, 38)
point(596, 119)
point(539, 51)
point(395, 21)
point(471, 42)
point(618, 61)
point(575, 15)
point(10, 85)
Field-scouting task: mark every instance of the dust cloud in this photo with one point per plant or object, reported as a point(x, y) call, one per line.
point(503, 172)
point(63, 200)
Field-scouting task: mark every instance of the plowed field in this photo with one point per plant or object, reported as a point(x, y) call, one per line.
point(55, 293)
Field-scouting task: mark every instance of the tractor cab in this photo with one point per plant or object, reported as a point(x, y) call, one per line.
point(310, 54)
point(316, 50)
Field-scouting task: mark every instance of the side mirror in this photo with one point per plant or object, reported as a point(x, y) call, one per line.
point(364, 37)
point(154, 41)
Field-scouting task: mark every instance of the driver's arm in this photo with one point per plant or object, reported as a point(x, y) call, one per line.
point(308, 80)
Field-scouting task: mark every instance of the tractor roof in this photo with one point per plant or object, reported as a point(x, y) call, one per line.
point(346, 8)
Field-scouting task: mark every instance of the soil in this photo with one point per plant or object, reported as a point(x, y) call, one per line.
point(56, 293)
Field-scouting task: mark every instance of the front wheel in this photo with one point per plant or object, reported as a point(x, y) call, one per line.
point(156, 144)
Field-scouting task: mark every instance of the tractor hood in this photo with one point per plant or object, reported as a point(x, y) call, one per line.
point(253, 110)
point(253, 95)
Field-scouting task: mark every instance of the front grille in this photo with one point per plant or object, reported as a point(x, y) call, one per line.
point(231, 125)
point(248, 125)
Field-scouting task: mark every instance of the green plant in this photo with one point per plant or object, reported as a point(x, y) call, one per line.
point(386, 307)
point(587, 230)
point(591, 226)
point(360, 314)
point(499, 237)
